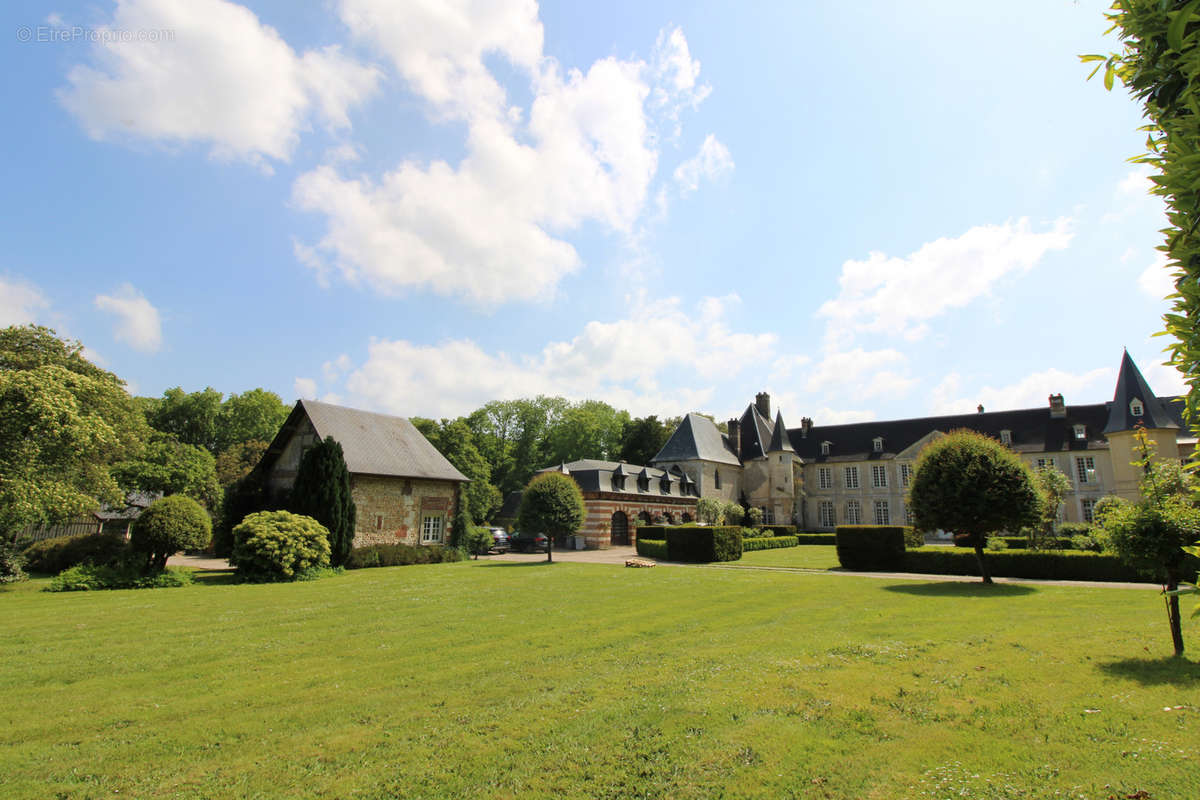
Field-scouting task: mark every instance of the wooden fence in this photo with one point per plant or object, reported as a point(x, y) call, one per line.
point(75, 527)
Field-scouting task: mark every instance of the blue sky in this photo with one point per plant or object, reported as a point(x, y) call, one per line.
point(417, 207)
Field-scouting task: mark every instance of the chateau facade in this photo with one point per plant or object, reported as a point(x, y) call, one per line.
point(818, 477)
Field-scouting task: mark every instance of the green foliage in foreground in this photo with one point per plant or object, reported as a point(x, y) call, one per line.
point(384, 683)
point(169, 525)
point(279, 546)
point(52, 556)
point(90, 577)
point(768, 542)
point(652, 548)
point(322, 491)
point(399, 555)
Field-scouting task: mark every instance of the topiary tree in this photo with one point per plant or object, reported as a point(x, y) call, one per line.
point(279, 545)
point(552, 504)
point(1052, 487)
point(169, 525)
point(971, 485)
point(1153, 533)
point(322, 491)
point(732, 513)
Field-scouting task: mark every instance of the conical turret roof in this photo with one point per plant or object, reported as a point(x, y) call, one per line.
point(1132, 386)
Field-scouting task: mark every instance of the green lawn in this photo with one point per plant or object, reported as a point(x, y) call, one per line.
point(484, 679)
point(809, 556)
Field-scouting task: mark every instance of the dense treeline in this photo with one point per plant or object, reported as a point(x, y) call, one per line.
point(72, 438)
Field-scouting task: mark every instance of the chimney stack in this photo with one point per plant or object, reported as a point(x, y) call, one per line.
point(1058, 408)
point(805, 427)
point(979, 408)
point(762, 401)
point(735, 436)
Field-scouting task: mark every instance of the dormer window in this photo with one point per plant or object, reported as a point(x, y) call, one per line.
point(664, 485)
point(618, 483)
point(1006, 437)
point(1081, 432)
point(825, 448)
point(878, 444)
point(1136, 408)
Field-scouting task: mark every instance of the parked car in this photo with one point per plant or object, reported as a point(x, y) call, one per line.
point(529, 542)
point(500, 541)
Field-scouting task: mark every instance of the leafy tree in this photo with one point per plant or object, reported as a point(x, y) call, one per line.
point(456, 441)
point(235, 462)
point(459, 527)
point(247, 495)
point(1158, 64)
point(169, 525)
point(708, 510)
point(191, 418)
point(322, 491)
point(732, 513)
point(971, 485)
point(1052, 486)
point(279, 546)
point(552, 504)
point(642, 438)
point(63, 423)
point(252, 416)
point(590, 429)
point(167, 465)
point(1152, 533)
point(754, 517)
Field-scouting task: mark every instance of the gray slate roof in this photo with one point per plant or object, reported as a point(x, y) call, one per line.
point(376, 444)
point(594, 475)
point(1131, 385)
point(780, 439)
point(697, 438)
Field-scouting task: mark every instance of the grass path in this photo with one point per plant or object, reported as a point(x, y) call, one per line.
point(568, 680)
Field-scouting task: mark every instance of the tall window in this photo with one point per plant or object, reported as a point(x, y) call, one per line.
point(1085, 469)
point(717, 478)
point(879, 476)
point(431, 529)
point(1006, 437)
point(854, 513)
point(1088, 506)
point(905, 474)
point(824, 478)
point(909, 519)
point(877, 444)
point(1045, 462)
point(768, 515)
point(882, 517)
point(827, 514)
point(825, 448)
point(851, 477)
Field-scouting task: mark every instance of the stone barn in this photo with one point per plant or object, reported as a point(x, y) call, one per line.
point(404, 490)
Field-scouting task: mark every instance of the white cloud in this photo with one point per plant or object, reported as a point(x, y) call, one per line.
point(626, 362)
point(20, 302)
point(1132, 195)
point(861, 373)
point(711, 162)
point(887, 294)
point(1032, 391)
point(491, 227)
point(138, 323)
point(1157, 281)
point(218, 75)
point(676, 74)
point(1164, 380)
point(306, 388)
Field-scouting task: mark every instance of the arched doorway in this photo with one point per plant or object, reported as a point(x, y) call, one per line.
point(619, 529)
point(644, 518)
point(686, 517)
point(669, 518)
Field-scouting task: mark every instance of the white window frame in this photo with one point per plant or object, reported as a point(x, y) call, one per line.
point(768, 515)
point(825, 448)
point(879, 476)
point(1084, 465)
point(1006, 437)
point(827, 514)
point(853, 512)
point(1087, 509)
point(909, 519)
point(883, 514)
point(824, 478)
point(1136, 408)
point(1044, 461)
point(850, 477)
point(878, 444)
point(906, 472)
point(433, 528)
point(1080, 432)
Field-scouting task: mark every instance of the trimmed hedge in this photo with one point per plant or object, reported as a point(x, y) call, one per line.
point(768, 543)
point(658, 532)
point(63, 552)
point(704, 545)
point(652, 548)
point(816, 538)
point(1052, 565)
point(778, 530)
point(870, 547)
point(399, 555)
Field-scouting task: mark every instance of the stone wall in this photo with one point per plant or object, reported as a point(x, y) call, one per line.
point(601, 506)
point(390, 510)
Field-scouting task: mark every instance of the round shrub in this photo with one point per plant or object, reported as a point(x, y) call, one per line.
point(174, 523)
point(279, 545)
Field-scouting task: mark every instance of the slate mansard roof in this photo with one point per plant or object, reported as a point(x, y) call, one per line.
point(598, 476)
point(373, 444)
point(697, 439)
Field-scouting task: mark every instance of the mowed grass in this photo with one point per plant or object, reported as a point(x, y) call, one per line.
point(809, 556)
point(485, 679)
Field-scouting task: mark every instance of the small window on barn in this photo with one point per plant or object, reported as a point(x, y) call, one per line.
point(717, 478)
point(406, 487)
point(379, 522)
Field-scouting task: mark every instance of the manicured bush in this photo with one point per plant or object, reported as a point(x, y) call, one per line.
point(171, 524)
point(870, 547)
point(768, 543)
point(91, 577)
point(397, 555)
point(704, 545)
point(1051, 565)
point(996, 543)
point(54, 555)
point(654, 531)
point(913, 538)
point(12, 563)
point(279, 545)
point(552, 504)
point(478, 540)
point(652, 548)
point(778, 530)
point(816, 538)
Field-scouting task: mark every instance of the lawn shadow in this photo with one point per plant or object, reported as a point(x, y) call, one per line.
point(1166, 670)
point(215, 577)
point(518, 563)
point(962, 589)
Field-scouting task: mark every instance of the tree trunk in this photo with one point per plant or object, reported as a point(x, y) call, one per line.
point(1173, 612)
point(549, 548)
point(983, 567)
